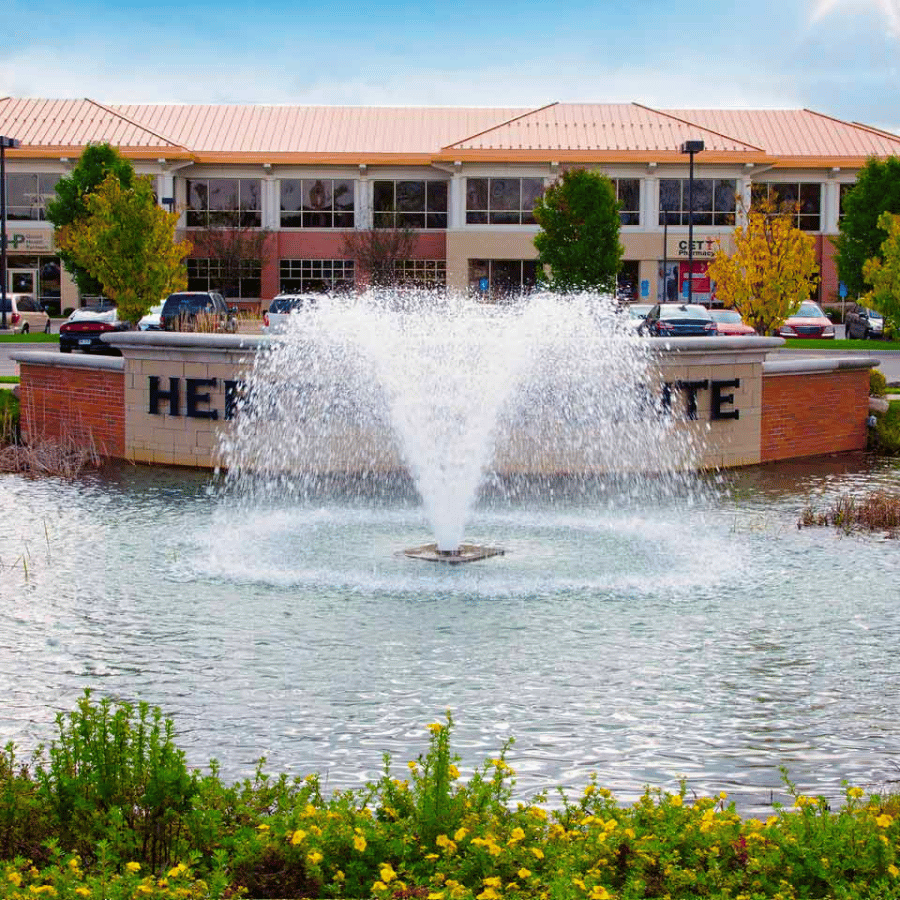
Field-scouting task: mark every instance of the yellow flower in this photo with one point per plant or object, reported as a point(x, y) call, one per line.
point(144, 889)
point(488, 894)
point(163, 882)
point(379, 886)
point(339, 875)
point(884, 821)
point(133, 866)
point(412, 766)
point(855, 793)
point(73, 863)
point(598, 892)
point(262, 827)
point(537, 852)
point(723, 795)
point(14, 878)
point(297, 837)
point(359, 842)
point(460, 834)
point(83, 891)
point(493, 882)
point(893, 871)
point(454, 772)
point(435, 728)
point(387, 873)
point(174, 873)
point(314, 858)
point(517, 835)
point(524, 873)
point(676, 800)
point(436, 895)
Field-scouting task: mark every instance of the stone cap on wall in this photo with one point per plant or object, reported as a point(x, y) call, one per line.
point(182, 339)
point(797, 365)
point(68, 360)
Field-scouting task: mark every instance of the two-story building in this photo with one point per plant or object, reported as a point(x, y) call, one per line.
point(465, 179)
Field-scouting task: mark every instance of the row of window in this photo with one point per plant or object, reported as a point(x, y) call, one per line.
point(326, 203)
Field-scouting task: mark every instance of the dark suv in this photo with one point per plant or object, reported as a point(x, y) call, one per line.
point(862, 322)
point(197, 311)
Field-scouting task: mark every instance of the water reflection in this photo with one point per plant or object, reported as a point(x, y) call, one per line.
point(704, 637)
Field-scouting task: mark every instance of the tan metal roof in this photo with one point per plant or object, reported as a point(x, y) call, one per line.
point(273, 131)
point(607, 130)
point(69, 125)
point(799, 136)
point(563, 132)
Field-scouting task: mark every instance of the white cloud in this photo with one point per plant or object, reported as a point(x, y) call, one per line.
point(888, 9)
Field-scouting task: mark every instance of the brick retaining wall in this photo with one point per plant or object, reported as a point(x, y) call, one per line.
point(85, 404)
point(813, 413)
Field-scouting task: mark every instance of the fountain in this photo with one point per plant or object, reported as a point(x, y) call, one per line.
point(442, 388)
point(645, 623)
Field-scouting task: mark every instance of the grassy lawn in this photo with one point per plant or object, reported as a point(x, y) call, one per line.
point(9, 379)
point(869, 346)
point(40, 338)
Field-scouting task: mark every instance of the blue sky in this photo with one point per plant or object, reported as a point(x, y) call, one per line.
point(839, 57)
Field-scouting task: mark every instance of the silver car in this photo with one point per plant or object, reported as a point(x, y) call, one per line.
point(24, 314)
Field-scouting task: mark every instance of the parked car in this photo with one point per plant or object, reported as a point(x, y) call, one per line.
point(808, 322)
point(150, 322)
point(197, 311)
point(729, 322)
point(282, 306)
point(863, 323)
point(637, 312)
point(678, 320)
point(25, 314)
point(83, 328)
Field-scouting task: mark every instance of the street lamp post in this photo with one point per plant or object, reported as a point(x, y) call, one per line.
point(691, 147)
point(5, 142)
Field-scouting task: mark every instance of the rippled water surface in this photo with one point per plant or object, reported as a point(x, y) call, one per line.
point(703, 635)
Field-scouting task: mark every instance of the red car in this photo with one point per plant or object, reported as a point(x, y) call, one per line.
point(729, 322)
point(808, 322)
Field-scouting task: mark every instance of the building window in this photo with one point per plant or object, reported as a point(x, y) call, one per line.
point(28, 195)
point(238, 281)
point(628, 282)
point(845, 189)
point(715, 201)
point(409, 204)
point(224, 202)
point(502, 201)
point(316, 203)
point(427, 274)
point(805, 197)
point(628, 193)
point(500, 279)
point(301, 276)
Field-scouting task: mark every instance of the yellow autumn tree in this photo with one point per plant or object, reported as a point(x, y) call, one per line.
point(884, 274)
point(773, 268)
point(127, 242)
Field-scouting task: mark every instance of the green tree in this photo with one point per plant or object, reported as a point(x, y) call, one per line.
point(127, 242)
point(884, 273)
point(773, 268)
point(579, 236)
point(877, 190)
point(70, 206)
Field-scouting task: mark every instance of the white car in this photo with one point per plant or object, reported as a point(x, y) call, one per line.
point(283, 306)
point(150, 322)
point(24, 314)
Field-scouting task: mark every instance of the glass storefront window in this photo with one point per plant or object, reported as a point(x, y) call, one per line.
point(502, 279)
point(502, 201)
point(715, 201)
point(224, 203)
point(409, 204)
point(27, 195)
point(803, 198)
point(316, 203)
point(302, 276)
point(238, 283)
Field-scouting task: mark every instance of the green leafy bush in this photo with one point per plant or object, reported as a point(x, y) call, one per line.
point(430, 835)
point(877, 383)
point(884, 438)
point(9, 417)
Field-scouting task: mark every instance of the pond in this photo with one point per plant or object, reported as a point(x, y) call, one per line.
point(697, 633)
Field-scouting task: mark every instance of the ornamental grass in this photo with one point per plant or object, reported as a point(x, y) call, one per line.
point(112, 811)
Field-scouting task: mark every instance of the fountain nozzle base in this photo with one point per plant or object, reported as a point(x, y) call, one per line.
point(463, 554)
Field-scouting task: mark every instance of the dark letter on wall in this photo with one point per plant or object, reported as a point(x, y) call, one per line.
point(718, 398)
point(194, 398)
point(691, 388)
point(171, 395)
